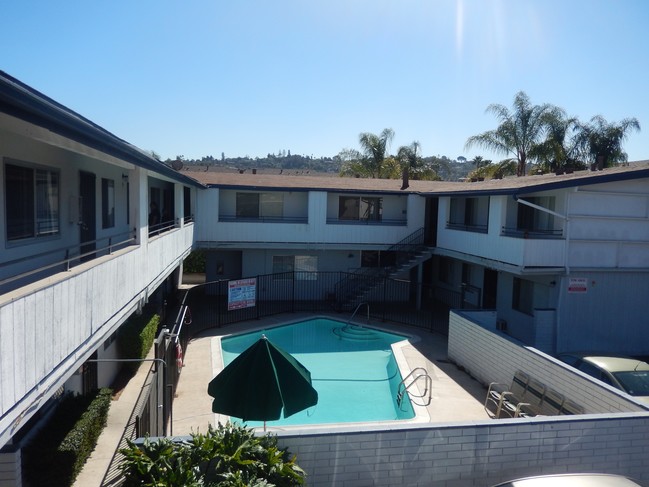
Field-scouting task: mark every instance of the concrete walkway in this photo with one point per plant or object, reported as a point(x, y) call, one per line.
point(456, 397)
point(96, 467)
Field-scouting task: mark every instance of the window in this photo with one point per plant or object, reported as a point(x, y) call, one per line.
point(260, 205)
point(471, 211)
point(523, 296)
point(378, 258)
point(531, 219)
point(304, 266)
point(107, 203)
point(471, 214)
point(32, 202)
point(360, 208)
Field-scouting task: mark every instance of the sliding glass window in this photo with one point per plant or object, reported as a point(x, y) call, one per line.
point(32, 202)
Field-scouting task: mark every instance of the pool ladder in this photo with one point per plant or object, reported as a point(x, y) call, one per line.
point(418, 373)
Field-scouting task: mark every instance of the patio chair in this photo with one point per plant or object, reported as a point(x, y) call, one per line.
point(569, 407)
point(498, 391)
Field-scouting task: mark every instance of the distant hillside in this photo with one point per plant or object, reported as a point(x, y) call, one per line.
point(451, 170)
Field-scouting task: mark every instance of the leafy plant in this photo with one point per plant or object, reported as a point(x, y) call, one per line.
point(58, 452)
point(230, 455)
point(136, 337)
point(195, 262)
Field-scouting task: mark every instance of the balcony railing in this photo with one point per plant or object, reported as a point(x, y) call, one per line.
point(163, 227)
point(263, 219)
point(467, 227)
point(534, 234)
point(61, 259)
point(382, 222)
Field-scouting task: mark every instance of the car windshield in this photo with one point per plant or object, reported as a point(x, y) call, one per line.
point(635, 382)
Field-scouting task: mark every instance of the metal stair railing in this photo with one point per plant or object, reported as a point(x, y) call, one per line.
point(407, 250)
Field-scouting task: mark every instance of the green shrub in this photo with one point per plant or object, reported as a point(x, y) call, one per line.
point(81, 440)
point(230, 455)
point(136, 337)
point(58, 452)
point(195, 262)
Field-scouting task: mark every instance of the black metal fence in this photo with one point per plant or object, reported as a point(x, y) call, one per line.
point(394, 300)
point(153, 411)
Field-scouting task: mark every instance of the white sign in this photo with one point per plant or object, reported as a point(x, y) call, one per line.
point(242, 293)
point(578, 285)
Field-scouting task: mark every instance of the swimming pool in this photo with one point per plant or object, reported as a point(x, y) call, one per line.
point(352, 368)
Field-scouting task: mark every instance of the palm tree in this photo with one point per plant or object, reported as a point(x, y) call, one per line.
point(410, 159)
point(479, 161)
point(519, 130)
point(369, 161)
point(601, 141)
point(559, 149)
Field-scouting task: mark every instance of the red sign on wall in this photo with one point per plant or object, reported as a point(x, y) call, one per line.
point(578, 285)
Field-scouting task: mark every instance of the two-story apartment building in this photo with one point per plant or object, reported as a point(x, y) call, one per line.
point(267, 223)
point(78, 253)
point(563, 259)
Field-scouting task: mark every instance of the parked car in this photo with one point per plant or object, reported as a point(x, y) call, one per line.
point(572, 480)
point(625, 373)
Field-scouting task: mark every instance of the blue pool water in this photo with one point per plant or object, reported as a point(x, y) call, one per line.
point(354, 372)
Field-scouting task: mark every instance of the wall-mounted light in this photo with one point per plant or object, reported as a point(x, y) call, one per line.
point(350, 256)
point(125, 178)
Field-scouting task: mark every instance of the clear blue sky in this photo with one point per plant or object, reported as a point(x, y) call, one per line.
point(252, 77)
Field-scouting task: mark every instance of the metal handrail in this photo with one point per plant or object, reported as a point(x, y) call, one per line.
point(356, 310)
point(184, 317)
point(263, 219)
point(403, 388)
point(467, 227)
point(526, 233)
point(69, 256)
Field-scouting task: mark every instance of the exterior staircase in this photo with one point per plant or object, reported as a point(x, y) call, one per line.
point(357, 287)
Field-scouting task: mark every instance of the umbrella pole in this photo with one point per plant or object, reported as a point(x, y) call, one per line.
point(264, 425)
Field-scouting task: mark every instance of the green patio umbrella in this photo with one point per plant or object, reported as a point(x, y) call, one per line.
point(261, 382)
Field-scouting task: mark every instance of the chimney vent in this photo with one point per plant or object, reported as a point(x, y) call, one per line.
point(406, 183)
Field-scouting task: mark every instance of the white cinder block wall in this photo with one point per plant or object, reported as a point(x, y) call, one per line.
point(492, 356)
point(475, 454)
point(483, 453)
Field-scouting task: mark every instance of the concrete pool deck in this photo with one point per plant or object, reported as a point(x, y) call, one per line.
point(456, 397)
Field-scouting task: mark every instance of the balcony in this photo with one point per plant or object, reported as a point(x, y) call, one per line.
point(531, 234)
point(263, 219)
point(367, 221)
point(467, 227)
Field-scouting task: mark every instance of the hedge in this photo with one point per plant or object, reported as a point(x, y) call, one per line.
point(79, 443)
point(136, 338)
point(195, 262)
point(60, 449)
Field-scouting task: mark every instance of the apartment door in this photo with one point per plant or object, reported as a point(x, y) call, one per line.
point(87, 214)
point(489, 289)
point(430, 219)
point(89, 375)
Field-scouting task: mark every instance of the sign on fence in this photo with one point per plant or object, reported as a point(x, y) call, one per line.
point(241, 293)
